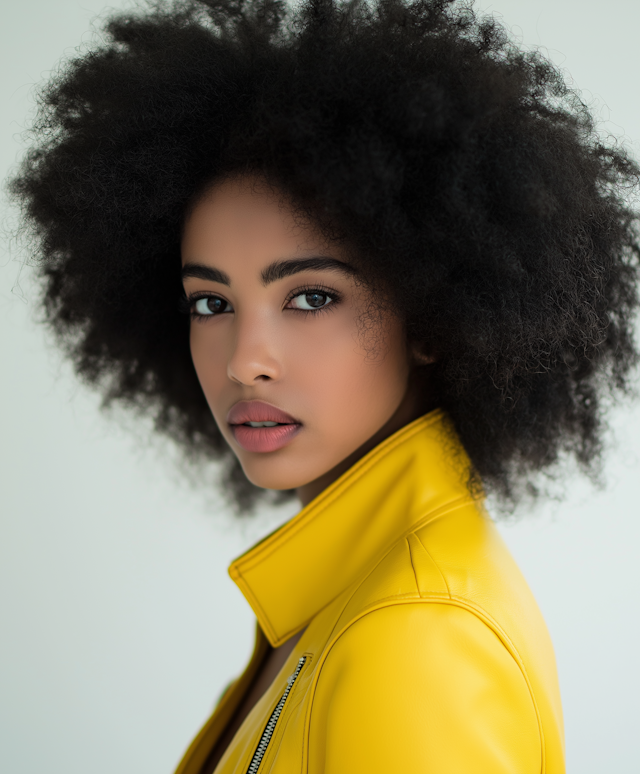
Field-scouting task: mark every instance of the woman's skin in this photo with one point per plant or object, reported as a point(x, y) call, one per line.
point(280, 317)
point(343, 371)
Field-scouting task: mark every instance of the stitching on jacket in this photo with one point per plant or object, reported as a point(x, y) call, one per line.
point(415, 574)
point(458, 602)
point(428, 553)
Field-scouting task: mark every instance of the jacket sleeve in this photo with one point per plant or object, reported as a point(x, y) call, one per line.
point(422, 687)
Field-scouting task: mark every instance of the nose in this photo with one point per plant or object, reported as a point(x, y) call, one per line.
point(254, 356)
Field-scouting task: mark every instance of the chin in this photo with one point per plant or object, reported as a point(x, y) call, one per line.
point(268, 475)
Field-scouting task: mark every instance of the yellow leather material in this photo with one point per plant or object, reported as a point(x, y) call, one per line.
point(425, 650)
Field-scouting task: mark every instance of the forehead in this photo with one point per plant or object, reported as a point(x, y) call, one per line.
point(243, 219)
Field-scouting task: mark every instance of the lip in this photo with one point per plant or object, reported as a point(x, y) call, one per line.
point(258, 411)
point(261, 439)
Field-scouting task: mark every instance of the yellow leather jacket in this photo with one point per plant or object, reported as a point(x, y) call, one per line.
point(424, 649)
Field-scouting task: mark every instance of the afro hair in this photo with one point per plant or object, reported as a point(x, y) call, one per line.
point(467, 176)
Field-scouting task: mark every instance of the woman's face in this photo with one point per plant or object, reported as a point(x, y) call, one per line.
point(284, 333)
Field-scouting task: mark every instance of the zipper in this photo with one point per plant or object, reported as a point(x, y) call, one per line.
point(261, 749)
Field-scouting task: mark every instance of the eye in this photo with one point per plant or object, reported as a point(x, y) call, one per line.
point(211, 305)
point(310, 300)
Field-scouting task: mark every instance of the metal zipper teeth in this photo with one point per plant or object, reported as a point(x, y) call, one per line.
point(261, 749)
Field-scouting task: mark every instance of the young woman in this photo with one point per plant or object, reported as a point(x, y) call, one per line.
point(376, 258)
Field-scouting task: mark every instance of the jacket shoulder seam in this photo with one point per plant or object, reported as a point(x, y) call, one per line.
point(436, 565)
point(413, 567)
point(427, 518)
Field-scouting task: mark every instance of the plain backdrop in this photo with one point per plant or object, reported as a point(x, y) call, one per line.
point(119, 625)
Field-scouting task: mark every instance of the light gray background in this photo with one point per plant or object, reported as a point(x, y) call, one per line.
point(119, 625)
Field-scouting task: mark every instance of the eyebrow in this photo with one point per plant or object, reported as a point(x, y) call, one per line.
point(200, 271)
point(275, 271)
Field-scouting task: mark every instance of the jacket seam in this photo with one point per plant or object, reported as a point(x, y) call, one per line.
point(428, 518)
point(428, 553)
point(453, 601)
point(415, 574)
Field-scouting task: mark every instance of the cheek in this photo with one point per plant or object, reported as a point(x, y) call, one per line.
point(348, 378)
point(210, 370)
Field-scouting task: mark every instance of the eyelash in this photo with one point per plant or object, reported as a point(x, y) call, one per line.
point(187, 303)
point(335, 297)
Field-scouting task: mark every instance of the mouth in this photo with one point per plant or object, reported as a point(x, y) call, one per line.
point(260, 427)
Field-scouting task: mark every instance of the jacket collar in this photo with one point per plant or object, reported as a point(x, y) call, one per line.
point(410, 478)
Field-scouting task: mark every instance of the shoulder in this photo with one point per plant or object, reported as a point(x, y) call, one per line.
point(456, 555)
point(425, 671)
point(426, 685)
point(459, 558)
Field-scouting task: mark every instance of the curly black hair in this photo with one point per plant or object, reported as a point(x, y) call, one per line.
point(467, 176)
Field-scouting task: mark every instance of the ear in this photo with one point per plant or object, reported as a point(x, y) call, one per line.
point(420, 358)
